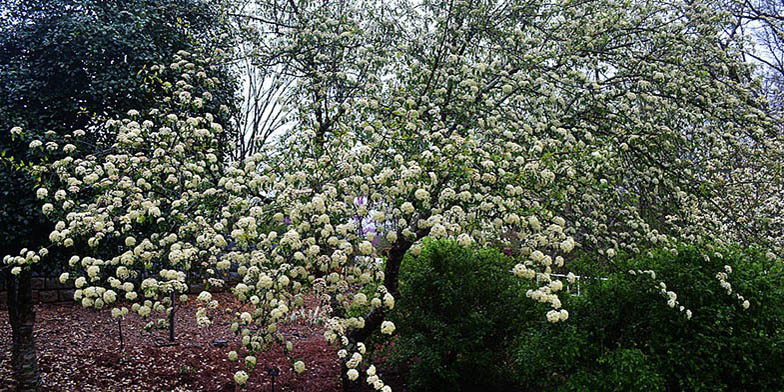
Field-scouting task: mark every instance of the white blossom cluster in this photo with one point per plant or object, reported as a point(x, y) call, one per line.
point(672, 297)
point(722, 277)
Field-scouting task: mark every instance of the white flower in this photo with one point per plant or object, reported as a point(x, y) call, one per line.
point(250, 361)
point(415, 250)
point(64, 277)
point(93, 271)
point(299, 366)
point(365, 247)
point(16, 270)
point(389, 301)
point(109, 296)
point(352, 374)
point(553, 316)
point(360, 299)
point(421, 194)
point(246, 317)
point(387, 327)
point(567, 245)
point(534, 223)
point(241, 377)
point(41, 193)
point(438, 230)
point(204, 297)
point(233, 356)
point(464, 240)
point(746, 304)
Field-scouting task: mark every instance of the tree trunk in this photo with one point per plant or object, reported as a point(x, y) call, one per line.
point(391, 275)
point(21, 313)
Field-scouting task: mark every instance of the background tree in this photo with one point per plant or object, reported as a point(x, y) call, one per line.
point(63, 63)
point(761, 24)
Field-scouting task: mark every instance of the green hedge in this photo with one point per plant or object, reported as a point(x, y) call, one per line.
point(464, 323)
point(457, 317)
point(622, 335)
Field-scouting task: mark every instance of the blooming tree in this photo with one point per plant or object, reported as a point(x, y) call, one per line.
point(536, 127)
point(137, 206)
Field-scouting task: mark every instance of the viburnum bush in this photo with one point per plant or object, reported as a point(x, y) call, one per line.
point(529, 126)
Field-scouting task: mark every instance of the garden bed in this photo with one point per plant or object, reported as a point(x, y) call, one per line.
point(79, 350)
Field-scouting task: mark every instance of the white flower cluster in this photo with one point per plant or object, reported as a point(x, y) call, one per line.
point(722, 277)
point(672, 297)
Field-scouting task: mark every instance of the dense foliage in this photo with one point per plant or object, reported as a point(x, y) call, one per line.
point(623, 336)
point(458, 316)
point(464, 325)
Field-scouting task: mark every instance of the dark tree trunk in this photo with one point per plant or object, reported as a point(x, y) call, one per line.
point(374, 319)
point(21, 313)
point(171, 317)
point(391, 276)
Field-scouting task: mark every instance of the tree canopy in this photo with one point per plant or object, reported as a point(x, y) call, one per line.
point(64, 63)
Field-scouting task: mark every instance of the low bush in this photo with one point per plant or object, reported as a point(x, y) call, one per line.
point(624, 336)
point(458, 315)
point(464, 323)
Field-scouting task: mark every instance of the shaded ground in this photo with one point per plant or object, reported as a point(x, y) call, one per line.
point(78, 350)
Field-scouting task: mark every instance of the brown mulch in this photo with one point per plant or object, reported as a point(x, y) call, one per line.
point(79, 350)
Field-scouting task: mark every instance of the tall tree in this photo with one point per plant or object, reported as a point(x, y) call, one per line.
point(62, 64)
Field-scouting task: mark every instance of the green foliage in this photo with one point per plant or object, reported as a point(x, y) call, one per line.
point(623, 336)
point(457, 315)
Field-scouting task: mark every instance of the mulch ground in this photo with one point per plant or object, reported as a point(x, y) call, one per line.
point(79, 350)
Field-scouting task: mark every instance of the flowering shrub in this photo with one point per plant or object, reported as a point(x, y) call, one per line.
point(458, 314)
point(554, 128)
point(623, 334)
